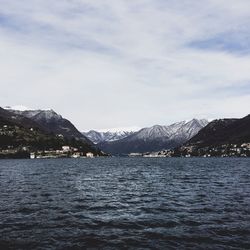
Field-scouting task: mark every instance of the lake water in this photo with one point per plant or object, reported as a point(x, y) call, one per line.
point(125, 203)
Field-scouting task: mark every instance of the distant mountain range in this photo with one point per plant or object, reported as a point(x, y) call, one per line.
point(154, 138)
point(47, 130)
point(99, 137)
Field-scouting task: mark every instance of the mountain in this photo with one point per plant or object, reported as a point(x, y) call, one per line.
point(18, 132)
point(155, 138)
point(223, 137)
point(52, 122)
point(98, 137)
point(223, 131)
point(7, 117)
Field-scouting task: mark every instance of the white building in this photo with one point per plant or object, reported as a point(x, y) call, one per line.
point(90, 155)
point(66, 148)
point(32, 155)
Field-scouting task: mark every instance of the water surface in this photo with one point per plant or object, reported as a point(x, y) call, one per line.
point(125, 203)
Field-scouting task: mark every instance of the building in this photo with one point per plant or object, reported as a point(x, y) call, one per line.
point(66, 149)
point(32, 155)
point(90, 155)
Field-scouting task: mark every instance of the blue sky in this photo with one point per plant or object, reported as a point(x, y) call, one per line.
point(118, 63)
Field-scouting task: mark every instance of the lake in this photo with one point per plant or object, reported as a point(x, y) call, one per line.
point(125, 203)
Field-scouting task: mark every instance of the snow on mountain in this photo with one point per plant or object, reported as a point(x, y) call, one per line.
point(47, 115)
point(108, 136)
point(155, 138)
point(183, 129)
point(17, 107)
point(119, 129)
point(186, 130)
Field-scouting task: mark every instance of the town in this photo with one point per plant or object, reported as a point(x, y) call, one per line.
point(226, 150)
point(25, 153)
point(65, 152)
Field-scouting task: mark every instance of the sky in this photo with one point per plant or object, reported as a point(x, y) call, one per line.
point(120, 63)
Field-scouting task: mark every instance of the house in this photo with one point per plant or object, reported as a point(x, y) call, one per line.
point(65, 149)
point(32, 155)
point(90, 155)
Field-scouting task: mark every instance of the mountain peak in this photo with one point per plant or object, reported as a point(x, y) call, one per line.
point(119, 129)
point(48, 115)
point(201, 122)
point(17, 107)
point(155, 138)
point(98, 137)
point(52, 122)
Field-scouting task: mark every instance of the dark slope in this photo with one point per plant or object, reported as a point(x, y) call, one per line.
point(224, 131)
point(54, 123)
point(10, 118)
point(126, 146)
point(17, 132)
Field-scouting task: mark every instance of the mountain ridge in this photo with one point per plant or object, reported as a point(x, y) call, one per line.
point(221, 137)
point(219, 131)
point(98, 137)
point(155, 138)
point(52, 122)
point(20, 135)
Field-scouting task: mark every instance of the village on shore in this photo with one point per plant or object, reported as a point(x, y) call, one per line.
point(227, 150)
point(65, 152)
point(230, 150)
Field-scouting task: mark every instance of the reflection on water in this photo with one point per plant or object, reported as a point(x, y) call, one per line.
point(125, 203)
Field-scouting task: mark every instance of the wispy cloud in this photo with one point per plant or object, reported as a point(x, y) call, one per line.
point(122, 63)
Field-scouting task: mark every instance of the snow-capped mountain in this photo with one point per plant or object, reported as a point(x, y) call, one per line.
point(17, 107)
point(183, 129)
point(98, 137)
point(52, 122)
point(155, 138)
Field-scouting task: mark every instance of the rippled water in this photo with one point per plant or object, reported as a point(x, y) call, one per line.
point(123, 203)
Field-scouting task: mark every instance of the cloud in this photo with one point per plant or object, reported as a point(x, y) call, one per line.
point(119, 63)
